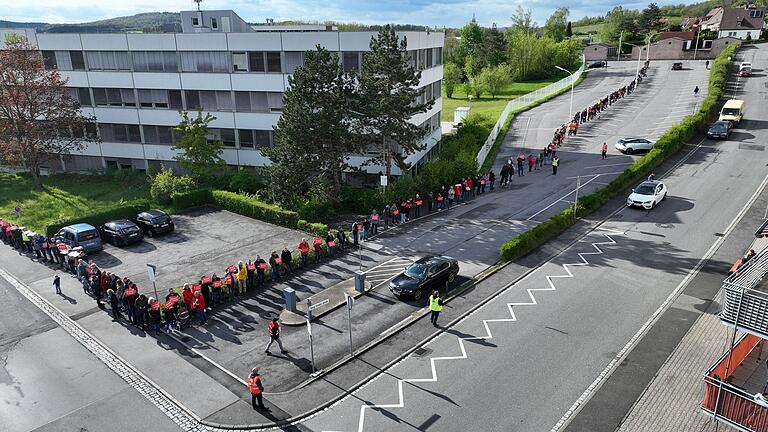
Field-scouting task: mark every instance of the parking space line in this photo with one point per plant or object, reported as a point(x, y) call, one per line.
point(609, 165)
point(564, 196)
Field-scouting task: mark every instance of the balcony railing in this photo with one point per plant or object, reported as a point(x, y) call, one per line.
point(728, 403)
point(744, 298)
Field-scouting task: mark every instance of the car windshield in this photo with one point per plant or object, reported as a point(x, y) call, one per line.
point(730, 111)
point(644, 190)
point(158, 219)
point(88, 235)
point(127, 230)
point(719, 127)
point(416, 270)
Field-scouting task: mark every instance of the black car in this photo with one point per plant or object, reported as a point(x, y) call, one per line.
point(719, 129)
point(597, 64)
point(677, 66)
point(154, 222)
point(424, 276)
point(121, 232)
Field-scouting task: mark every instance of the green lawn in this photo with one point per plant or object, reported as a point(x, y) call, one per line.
point(592, 29)
point(65, 196)
point(486, 105)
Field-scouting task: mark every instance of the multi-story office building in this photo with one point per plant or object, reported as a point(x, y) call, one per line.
point(135, 85)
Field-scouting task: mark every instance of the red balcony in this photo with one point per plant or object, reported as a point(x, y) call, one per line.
point(734, 387)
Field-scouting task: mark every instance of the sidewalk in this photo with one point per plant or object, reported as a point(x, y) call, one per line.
point(671, 401)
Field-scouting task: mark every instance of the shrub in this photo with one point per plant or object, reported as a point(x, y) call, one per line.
point(251, 207)
point(244, 181)
point(166, 183)
point(315, 208)
point(195, 198)
point(318, 229)
point(96, 219)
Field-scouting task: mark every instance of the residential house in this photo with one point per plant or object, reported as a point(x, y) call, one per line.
point(742, 23)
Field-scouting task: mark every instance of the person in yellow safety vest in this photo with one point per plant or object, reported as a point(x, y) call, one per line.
point(256, 389)
point(555, 163)
point(435, 306)
point(242, 273)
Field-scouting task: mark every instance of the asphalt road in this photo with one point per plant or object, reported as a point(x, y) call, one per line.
point(49, 382)
point(549, 336)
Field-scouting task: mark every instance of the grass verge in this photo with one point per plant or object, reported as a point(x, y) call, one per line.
point(487, 106)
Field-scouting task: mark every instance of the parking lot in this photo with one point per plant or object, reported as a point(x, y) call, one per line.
point(206, 241)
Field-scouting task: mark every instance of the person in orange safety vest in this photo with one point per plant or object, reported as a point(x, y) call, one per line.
point(256, 389)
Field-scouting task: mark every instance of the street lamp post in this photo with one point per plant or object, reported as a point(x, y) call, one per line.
point(637, 71)
point(570, 110)
point(618, 53)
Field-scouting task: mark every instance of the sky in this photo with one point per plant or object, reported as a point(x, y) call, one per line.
point(436, 13)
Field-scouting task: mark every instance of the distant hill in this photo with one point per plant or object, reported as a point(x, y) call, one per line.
point(166, 22)
point(150, 22)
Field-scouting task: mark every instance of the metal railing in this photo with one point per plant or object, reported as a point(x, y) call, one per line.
point(742, 305)
point(524, 101)
point(730, 404)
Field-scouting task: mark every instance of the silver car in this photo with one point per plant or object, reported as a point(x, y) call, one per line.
point(630, 145)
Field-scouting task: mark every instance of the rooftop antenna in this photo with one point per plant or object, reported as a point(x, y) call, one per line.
point(198, 3)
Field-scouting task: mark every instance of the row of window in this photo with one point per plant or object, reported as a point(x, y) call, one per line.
point(211, 61)
point(165, 135)
point(204, 100)
point(431, 124)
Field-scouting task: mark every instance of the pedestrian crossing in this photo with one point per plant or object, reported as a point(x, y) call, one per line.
point(382, 273)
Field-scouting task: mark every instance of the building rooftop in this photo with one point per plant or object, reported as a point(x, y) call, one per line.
point(742, 19)
point(684, 35)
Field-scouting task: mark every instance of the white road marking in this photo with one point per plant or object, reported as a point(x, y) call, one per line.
point(609, 165)
point(488, 333)
point(600, 380)
point(562, 197)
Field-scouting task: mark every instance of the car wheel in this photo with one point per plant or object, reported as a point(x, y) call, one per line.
point(629, 151)
point(150, 233)
point(664, 197)
point(418, 294)
point(451, 277)
point(118, 242)
point(653, 204)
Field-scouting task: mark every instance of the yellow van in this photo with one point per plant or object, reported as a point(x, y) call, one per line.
point(733, 111)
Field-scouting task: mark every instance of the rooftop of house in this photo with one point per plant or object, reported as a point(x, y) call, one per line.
point(742, 19)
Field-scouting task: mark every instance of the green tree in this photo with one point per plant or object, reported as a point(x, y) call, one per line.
point(388, 90)
point(568, 30)
point(650, 18)
point(522, 21)
point(471, 38)
point(556, 24)
point(493, 79)
point(451, 78)
point(313, 136)
point(472, 66)
point(199, 155)
point(616, 21)
point(493, 52)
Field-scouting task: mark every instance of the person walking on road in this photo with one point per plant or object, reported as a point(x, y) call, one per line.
point(274, 336)
point(57, 283)
point(555, 163)
point(706, 64)
point(696, 91)
point(256, 389)
point(520, 160)
point(604, 150)
point(652, 176)
point(435, 306)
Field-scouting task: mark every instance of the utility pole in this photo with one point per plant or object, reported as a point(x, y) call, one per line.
point(696, 48)
point(570, 110)
point(618, 53)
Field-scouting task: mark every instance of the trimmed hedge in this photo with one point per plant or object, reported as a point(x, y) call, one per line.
point(195, 198)
point(668, 144)
point(96, 219)
point(251, 207)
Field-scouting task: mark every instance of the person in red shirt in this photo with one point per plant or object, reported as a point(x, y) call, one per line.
point(531, 162)
point(304, 252)
point(604, 150)
point(187, 296)
point(198, 305)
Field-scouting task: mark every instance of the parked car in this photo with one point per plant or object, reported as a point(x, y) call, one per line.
point(677, 66)
point(745, 72)
point(630, 145)
point(597, 64)
point(121, 232)
point(647, 195)
point(154, 222)
point(719, 129)
point(81, 234)
point(424, 276)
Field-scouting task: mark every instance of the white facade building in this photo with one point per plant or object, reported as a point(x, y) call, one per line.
point(136, 84)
